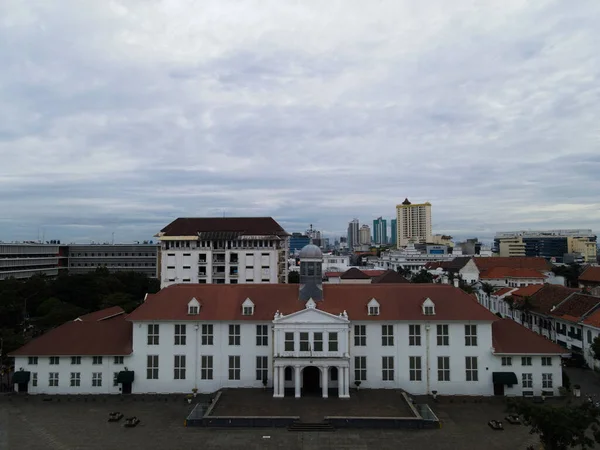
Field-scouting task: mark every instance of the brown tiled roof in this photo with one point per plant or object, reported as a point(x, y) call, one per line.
point(390, 276)
point(574, 307)
point(103, 314)
point(593, 319)
point(497, 273)
point(504, 291)
point(509, 336)
point(527, 290)
point(243, 226)
point(369, 273)
point(400, 301)
point(548, 296)
point(453, 265)
point(591, 274)
point(83, 338)
point(513, 262)
point(354, 274)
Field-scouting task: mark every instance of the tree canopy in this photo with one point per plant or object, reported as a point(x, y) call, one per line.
point(560, 427)
point(32, 306)
point(571, 273)
point(422, 277)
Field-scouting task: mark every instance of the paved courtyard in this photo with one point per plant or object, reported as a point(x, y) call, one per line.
point(257, 402)
point(52, 425)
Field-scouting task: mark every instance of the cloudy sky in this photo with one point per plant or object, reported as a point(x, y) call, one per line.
point(119, 116)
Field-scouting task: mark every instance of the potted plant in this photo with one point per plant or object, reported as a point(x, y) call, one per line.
point(195, 391)
point(577, 390)
point(434, 394)
point(189, 398)
point(265, 381)
point(357, 383)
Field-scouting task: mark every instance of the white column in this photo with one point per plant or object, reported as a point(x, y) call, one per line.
point(324, 381)
point(340, 371)
point(276, 382)
point(282, 381)
point(297, 378)
point(347, 381)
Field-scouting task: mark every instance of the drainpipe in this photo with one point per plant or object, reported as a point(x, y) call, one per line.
point(427, 357)
point(196, 356)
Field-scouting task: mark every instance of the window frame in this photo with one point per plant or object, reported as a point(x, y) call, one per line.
point(333, 344)
point(387, 368)
point(235, 334)
point(443, 368)
point(262, 335)
point(153, 334)
point(415, 368)
point(96, 379)
point(234, 368)
point(152, 366)
point(75, 379)
point(208, 334)
point(289, 345)
point(180, 334)
point(262, 368)
point(318, 341)
point(443, 335)
point(470, 335)
point(414, 335)
point(179, 367)
point(471, 368)
point(387, 335)
point(360, 368)
point(360, 335)
point(206, 367)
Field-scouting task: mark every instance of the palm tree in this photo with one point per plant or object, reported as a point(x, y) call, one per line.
point(525, 306)
point(510, 302)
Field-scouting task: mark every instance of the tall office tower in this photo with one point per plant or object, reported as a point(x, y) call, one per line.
point(365, 235)
point(414, 223)
point(380, 231)
point(353, 236)
point(394, 232)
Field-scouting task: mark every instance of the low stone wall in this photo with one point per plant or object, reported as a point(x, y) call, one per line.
point(244, 422)
point(382, 422)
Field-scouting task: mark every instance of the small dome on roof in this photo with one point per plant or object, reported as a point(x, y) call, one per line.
point(406, 202)
point(311, 251)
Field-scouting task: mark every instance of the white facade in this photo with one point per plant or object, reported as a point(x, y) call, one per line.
point(419, 356)
point(243, 260)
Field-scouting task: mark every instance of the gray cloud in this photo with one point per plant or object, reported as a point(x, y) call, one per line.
point(120, 116)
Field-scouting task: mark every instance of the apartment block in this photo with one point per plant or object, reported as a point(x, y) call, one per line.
point(413, 223)
point(227, 250)
point(141, 258)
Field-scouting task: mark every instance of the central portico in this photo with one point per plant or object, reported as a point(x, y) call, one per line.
point(311, 352)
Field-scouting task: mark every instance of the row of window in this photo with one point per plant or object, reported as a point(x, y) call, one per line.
point(360, 335)
point(526, 361)
point(75, 360)
point(114, 254)
point(74, 379)
point(415, 367)
point(222, 245)
point(527, 381)
point(103, 264)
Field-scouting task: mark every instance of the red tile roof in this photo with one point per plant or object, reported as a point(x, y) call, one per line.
point(591, 274)
point(504, 291)
point(245, 226)
point(354, 274)
point(499, 273)
point(511, 337)
point(513, 262)
point(81, 338)
point(390, 276)
point(103, 314)
point(593, 319)
point(548, 296)
point(369, 273)
point(527, 290)
point(574, 307)
point(400, 301)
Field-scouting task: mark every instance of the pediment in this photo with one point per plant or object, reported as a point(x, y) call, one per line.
point(311, 315)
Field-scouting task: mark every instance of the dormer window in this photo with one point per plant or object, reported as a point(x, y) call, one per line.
point(193, 307)
point(247, 307)
point(428, 307)
point(373, 307)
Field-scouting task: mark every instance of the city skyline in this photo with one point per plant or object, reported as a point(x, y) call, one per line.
point(119, 117)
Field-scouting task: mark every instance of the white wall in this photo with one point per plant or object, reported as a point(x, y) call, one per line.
point(64, 368)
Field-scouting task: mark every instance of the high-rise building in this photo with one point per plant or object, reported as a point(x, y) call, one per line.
point(414, 223)
point(297, 242)
point(223, 250)
point(365, 235)
point(380, 231)
point(394, 232)
point(140, 258)
point(22, 260)
point(547, 243)
point(353, 236)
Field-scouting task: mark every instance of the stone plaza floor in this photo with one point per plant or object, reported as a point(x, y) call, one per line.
point(312, 408)
point(32, 423)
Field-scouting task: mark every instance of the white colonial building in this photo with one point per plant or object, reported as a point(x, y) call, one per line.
point(295, 339)
point(228, 250)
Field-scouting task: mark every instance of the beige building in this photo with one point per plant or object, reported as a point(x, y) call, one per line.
point(365, 235)
point(511, 247)
point(585, 246)
point(414, 223)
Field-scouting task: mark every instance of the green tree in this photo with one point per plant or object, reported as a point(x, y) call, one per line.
point(571, 273)
point(488, 289)
point(422, 277)
point(560, 427)
point(510, 302)
point(596, 347)
point(405, 272)
point(293, 277)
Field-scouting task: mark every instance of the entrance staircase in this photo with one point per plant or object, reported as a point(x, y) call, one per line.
point(311, 427)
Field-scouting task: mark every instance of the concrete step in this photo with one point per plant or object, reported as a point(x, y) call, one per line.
point(311, 427)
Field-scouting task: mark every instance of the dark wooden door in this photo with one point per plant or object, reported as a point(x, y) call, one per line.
point(498, 389)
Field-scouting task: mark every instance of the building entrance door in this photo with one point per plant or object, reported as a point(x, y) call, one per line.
point(311, 380)
point(498, 389)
